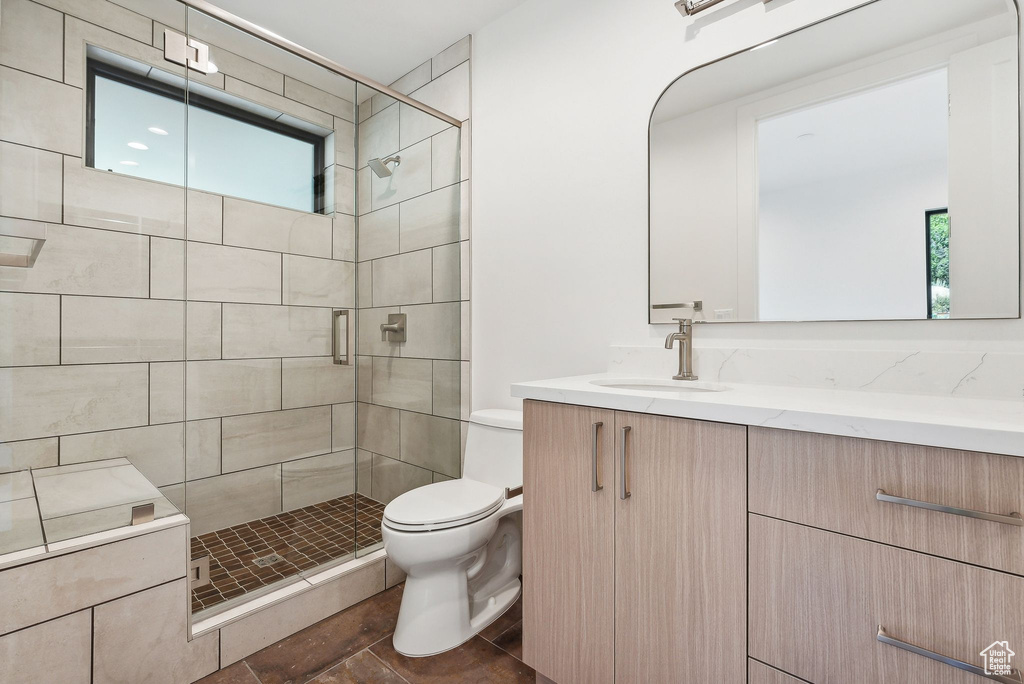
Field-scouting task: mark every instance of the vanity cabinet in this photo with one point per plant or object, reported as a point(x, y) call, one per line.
point(634, 558)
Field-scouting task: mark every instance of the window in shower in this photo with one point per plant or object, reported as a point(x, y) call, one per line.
point(236, 148)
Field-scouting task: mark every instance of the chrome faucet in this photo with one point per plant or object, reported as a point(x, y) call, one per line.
point(685, 337)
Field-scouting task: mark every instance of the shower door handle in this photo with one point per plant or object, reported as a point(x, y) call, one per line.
point(336, 338)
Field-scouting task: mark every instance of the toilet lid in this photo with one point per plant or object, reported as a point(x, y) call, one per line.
point(449, 503)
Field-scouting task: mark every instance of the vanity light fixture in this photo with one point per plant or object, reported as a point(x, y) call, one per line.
point(688, 7)
point(138, 146)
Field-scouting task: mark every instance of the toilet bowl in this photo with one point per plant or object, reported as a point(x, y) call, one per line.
point(460, 541)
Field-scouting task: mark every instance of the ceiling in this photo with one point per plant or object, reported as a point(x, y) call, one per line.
point(382, 39)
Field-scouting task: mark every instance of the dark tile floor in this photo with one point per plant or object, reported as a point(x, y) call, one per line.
point(354, 646)
point(303, 539)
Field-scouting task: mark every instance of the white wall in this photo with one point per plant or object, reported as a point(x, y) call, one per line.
point(562, 96)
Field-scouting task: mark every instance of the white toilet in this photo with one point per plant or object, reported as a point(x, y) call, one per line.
point(460, 541)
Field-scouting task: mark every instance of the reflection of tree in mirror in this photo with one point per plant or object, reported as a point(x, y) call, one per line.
point(938, 263)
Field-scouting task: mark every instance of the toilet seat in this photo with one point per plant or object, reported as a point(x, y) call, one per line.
point(443, 505)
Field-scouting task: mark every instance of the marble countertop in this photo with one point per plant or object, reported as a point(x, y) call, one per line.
point(986, 425)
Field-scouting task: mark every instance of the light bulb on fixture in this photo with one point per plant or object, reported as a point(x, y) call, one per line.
point(158, 131)
point(138, 146)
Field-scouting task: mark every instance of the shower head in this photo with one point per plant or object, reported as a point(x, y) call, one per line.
point(381, 167)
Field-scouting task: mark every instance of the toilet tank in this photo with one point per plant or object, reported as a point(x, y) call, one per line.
point(494, 448)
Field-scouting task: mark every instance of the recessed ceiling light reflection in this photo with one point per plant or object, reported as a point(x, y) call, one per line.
point(764, 45)
point(130, 163)
point(211, 68)
point(158, 131)
point(138, 146)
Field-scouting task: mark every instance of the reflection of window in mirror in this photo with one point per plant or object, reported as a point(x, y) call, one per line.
point(937, 241)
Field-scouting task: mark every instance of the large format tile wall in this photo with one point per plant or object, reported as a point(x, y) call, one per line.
point(413, 253)
point(94, 359)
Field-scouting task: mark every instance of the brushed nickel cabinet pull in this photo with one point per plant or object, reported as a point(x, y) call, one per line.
point(1010, 519)
point(1013, 678)
point(624, 492)
point(595, 480)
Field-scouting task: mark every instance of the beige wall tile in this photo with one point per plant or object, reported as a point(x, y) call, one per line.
point(205, 215)
point(431, 219)
point(103, 199)
point(59, 651)
point(85, 262)
point(260, 331)
point(203, 330)
point(144, 638)
point(262, 226)
point(264, 438)
point(247, 70)
point(368, 337)
point(202, 448)
point(409, 180)
point(318, 282)
point(175, 494)
point(344, 143)
point(35, 339)
point(448, 93)
point(226, 500)
point(166, 392)
point(319, 99)
point(250, 634)
point(68, 583)
point(231, 274)
point(364, 284)
point(465, 217)
point(30, 183)
point(466, 398)
point(344, 237)
point(277, 102)
point(431, 442)
point(114, 330)
point(364, 472)
point(45, 401)
point(31, 38)
point(34, 453)
point(416, 125)
point(343, 426)
point(380, 102)
point(402, 383)
point(417, 78)
point(364, 195)
point(378, 136)
point(402, 279)
point(445, 158)
point(377, 429)
point(364, 379)
point(465, 150)
point(227, 388)
point(464, 270)
point(450, 57)
point(316, 479)
point(158, 451)
point(78, 33)
point(102, 13)
point(166, 268)
point(447, 279)
point(447, 387)
point(344, 201)
point(378, 233)
point(437, 329)
point(38, 112)
point(315, 381)
point(465, 332)
point(392, 478)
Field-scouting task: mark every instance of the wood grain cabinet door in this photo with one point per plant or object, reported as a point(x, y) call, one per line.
point(680, 551)
point(568, 543)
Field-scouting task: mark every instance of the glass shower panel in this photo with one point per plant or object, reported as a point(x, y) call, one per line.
point(409, 257)
point(92, 311)
point(270, 298)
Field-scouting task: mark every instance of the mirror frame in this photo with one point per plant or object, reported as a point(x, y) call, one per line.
point(1020, 176)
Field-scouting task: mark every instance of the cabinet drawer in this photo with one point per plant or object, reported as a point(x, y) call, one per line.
point(759, 673)
point(833, 483)
point(817, 600)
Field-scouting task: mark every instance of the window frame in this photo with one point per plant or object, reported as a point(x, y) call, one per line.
point(928, 214)
point(96, 68)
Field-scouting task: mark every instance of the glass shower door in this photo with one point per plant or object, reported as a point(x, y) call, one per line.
point(270, 284)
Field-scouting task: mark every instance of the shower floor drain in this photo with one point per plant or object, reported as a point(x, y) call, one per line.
point(267, 560)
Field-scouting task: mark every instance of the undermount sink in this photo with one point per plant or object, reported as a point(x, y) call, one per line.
point(649, 385)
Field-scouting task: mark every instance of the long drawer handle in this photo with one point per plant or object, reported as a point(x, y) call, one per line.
point(595, 480)
point(624, 492)
point(1011, 519)
point(1013, 678)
